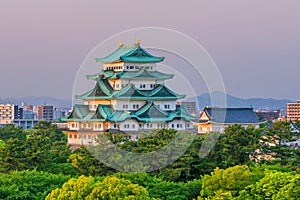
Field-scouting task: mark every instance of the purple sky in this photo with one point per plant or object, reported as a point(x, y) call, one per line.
point(255, 44)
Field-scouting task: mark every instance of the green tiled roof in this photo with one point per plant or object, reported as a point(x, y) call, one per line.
point(102, 90)
point(162, 91)
point(82, 113)
point(129, 92)
point(130, 54)
point(142, 73)
point(79, 112)
point(119, 116)
point(148, 113)
point(182, 112)
point(93, 76)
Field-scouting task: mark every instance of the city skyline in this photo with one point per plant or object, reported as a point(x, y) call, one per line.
point(254, 44)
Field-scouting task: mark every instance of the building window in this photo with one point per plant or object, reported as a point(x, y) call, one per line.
point(125, 106)
point(172, 125)
point(89, 137)
point(136, 67)
point(122, 85)
point(135, 106)
point(75, 136)
point(84, 136)
point(167, 106)
point(117, 85)
point(70, 136)
point(131, 67)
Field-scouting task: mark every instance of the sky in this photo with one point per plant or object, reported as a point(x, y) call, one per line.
point(255, 44)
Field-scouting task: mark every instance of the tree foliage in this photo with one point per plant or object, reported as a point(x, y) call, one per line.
point(25, 185)
point(228, 182)
point(275, 142)
point(275, 185)
point(90, 188)
point(43, 147)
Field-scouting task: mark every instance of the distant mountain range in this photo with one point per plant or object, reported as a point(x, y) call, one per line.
point(231, 101)
point(32, 100)
point(203, 100)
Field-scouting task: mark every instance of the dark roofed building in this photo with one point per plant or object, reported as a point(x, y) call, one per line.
point(217, 119)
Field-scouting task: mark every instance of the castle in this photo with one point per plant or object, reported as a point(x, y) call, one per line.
point(129, 96)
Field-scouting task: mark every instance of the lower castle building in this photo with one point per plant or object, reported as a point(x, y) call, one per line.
point(129, 96)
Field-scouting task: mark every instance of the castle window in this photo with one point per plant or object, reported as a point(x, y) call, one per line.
point(167, 106)
point(135, 106)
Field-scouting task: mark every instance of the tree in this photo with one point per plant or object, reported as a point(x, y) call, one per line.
point(164, 190)
point(2, 143)
point(228, 182)
point(29, 184)
point(40, 149)
point(291, 190)
point(10, 131)
point(270, 186)
point(86, 164)
point(236, 146)
point(275, 140)
point(92, 188)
